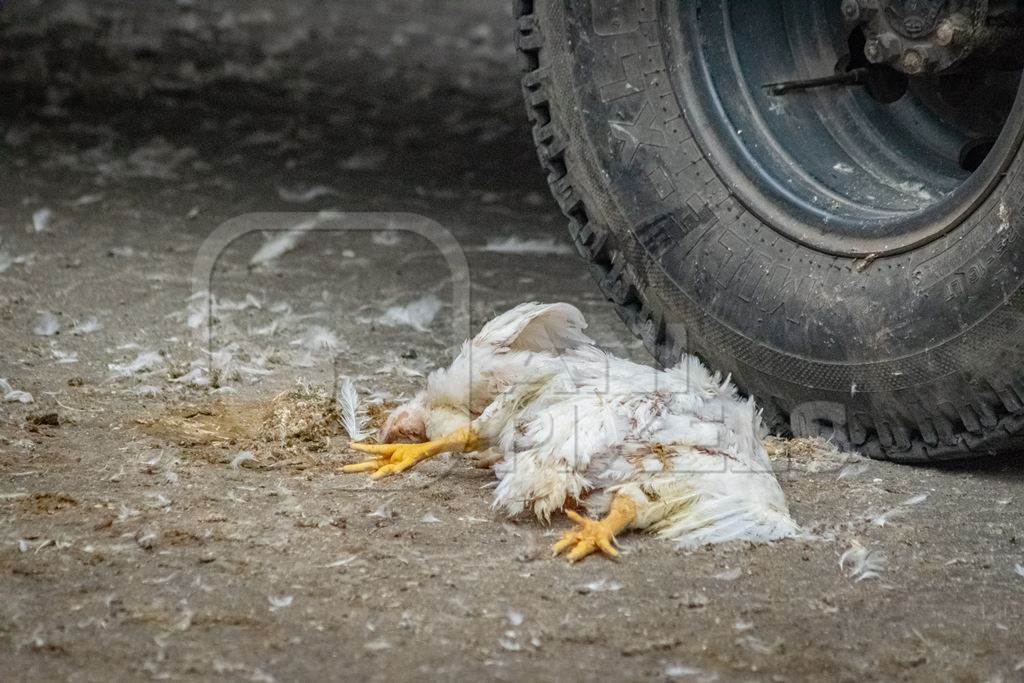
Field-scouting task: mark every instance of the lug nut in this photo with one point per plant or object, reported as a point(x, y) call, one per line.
point(873, 51)
point(851, 10)
point(945, 34)
point(913, 62)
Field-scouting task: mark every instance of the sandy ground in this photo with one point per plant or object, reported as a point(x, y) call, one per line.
point(136, 543)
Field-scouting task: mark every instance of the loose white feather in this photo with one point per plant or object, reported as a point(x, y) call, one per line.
point(41, 219)
point(899, 511)
point(144, 362)
point(418, 315)
point(317, 338)
point(279, 602)
point(518, 245)
point(861, 564)
point(47, 324)
point(12, 395)
point(348, 410)
point(275, 248)
point(244, 456)
point(303, 196)
point(87, 326)
point(280, 245)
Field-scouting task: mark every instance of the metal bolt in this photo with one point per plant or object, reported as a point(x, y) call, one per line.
point(945, 34)
point(913, 62)
point(873, 51)
point(851, 10)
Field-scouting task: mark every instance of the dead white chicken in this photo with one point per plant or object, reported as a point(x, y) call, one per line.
point(675, 452)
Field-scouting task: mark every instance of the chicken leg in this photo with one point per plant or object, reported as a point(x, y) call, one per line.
point(392, 458)
point(592, 535)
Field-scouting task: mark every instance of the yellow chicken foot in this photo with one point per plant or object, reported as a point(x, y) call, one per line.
point(592, 535)
point(392, 458)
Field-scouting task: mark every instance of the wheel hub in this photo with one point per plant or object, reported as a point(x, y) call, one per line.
point(932, 36)
point(850, 151)
point(913, 18)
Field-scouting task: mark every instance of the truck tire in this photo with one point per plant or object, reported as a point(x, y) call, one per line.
point(881, 308)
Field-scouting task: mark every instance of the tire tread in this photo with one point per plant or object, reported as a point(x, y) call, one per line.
point(985, 422)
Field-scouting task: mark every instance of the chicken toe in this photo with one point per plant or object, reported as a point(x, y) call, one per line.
point(596, 535)
point(393, 458)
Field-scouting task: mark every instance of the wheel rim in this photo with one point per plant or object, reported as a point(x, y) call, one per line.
point(836, 169)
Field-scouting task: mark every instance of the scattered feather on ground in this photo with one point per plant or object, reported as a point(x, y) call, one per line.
point(87, 199)
point(12, 395)
point(761, 646)
point(220, 367)
point(46, 324)
point(196, 377)
point(518, 245)
point(276, 247)
point(729, 575)
point(349, 410)
point(198, 311)
point(681, 671)
point(279, 602)
point(124, 251)
point(317, 338)
point(147, 361)
point(418, 315)
point(64, 357)
point(599, 586)
point(230, 305)
point(368, 160)
point(280, 244)
point(244, 456)
point(304, 196)
point(861, 564)
point(158, 158)
point(42, 219)
point(6, 261)
point(86, 326)
point(377, 645)
point(854, 469)
point(899, 511)
point(386, 238)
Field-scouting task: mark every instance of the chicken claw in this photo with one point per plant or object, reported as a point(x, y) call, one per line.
point(392, 458)
point(593, 535)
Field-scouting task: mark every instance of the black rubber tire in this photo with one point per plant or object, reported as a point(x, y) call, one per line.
point(911, 357)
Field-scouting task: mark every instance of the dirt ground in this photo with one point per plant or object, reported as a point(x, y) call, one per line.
point(160, 520)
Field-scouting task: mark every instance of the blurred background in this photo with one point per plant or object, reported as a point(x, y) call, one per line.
point(130, 130)
point(410, 102)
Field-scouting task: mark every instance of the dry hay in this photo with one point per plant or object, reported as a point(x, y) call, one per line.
point(294, 428)
point(809, 454)
point(803, 448)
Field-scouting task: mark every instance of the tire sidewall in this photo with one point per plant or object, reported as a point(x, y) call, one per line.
point(793, 324)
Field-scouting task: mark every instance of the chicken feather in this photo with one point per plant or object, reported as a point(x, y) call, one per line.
point(348, 410)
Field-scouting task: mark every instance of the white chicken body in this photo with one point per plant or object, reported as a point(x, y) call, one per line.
point(567, 422)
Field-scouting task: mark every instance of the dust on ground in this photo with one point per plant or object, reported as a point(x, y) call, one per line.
point(173, 509)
